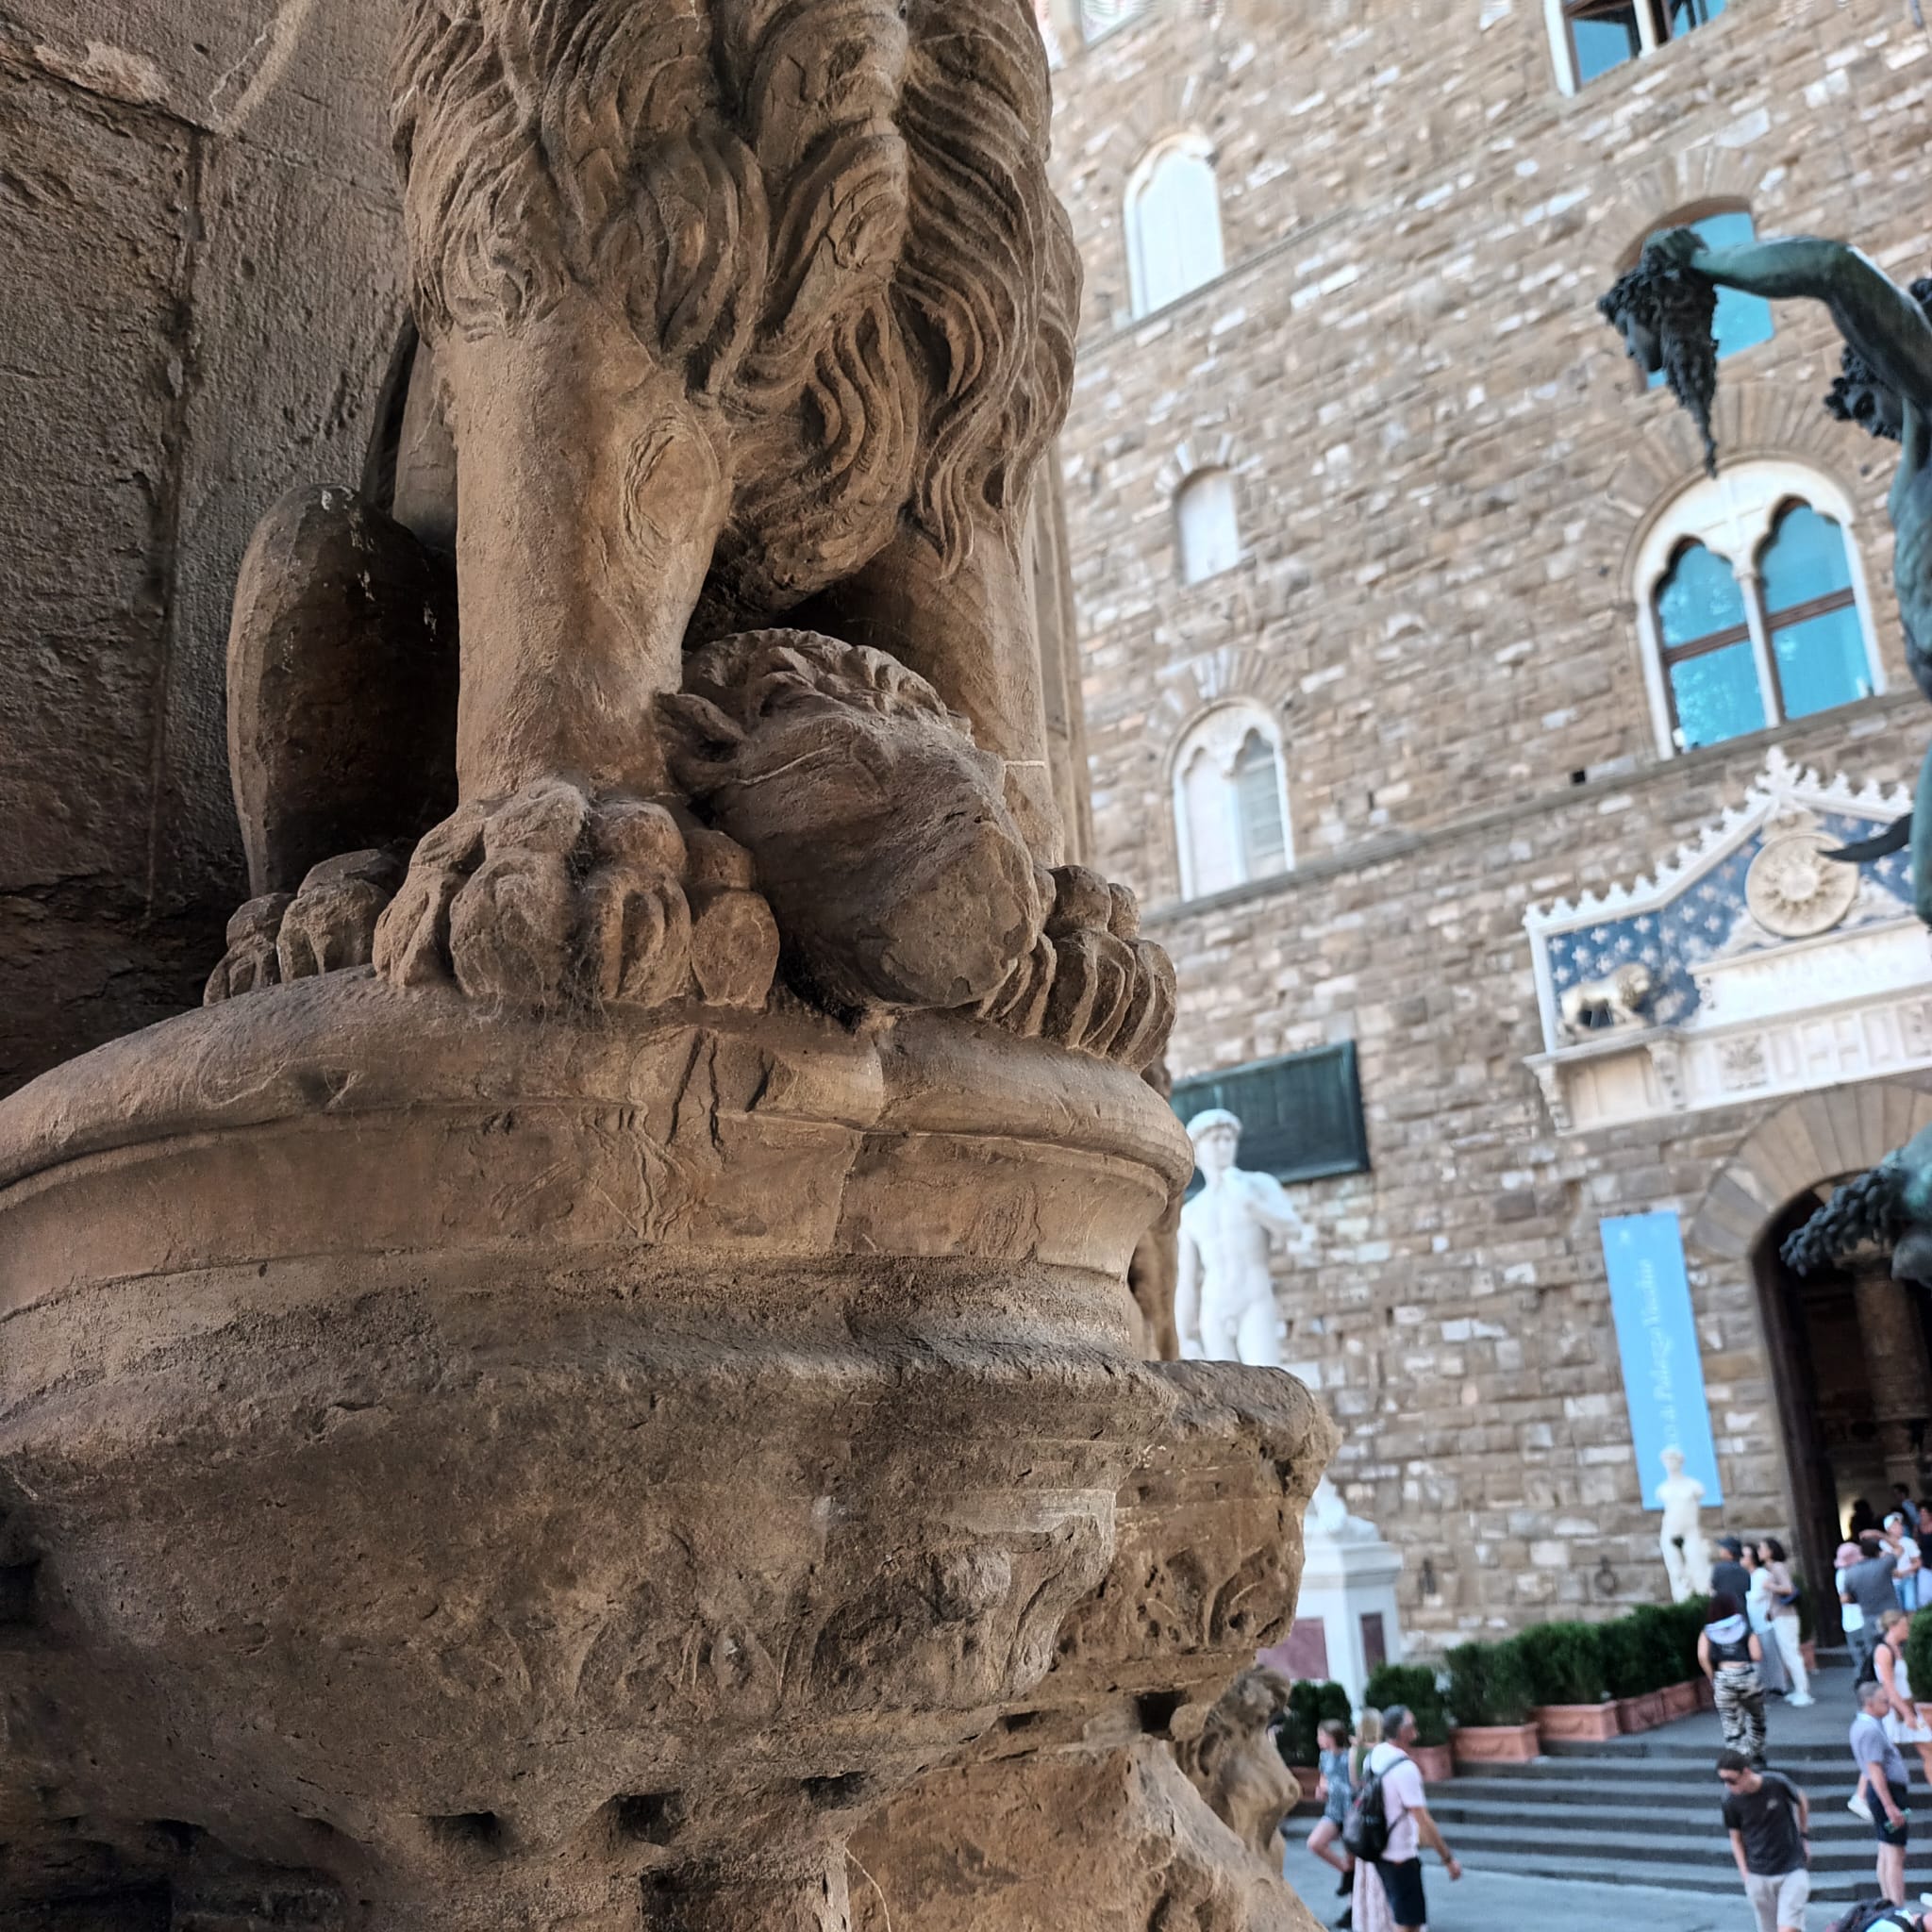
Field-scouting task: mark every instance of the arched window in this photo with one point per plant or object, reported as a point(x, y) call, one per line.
point(1208, 529)
point(1590, 37)
point(1230, 801)
point(1258, 807)
point(1811, 612)
point(1173, 224)
point(1752, 605)
point(1740, 321)
point(1705, 631)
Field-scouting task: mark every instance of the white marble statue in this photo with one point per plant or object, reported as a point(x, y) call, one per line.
point(1329, 1515)
point(1224, 1297)
point(1687, 1557)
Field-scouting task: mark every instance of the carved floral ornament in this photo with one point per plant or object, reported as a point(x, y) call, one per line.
point(1752, 963)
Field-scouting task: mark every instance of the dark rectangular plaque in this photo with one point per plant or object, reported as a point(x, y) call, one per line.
point(1375, 1641)
point(1301, 1115)
point(1304, 1653)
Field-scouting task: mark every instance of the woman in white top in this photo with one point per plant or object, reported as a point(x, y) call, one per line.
point(1902, 1722)
point(1772, 1673)
point(1781, 1600)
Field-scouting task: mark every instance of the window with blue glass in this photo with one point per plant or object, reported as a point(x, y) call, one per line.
point(1753, 604)
point(1711, 666)
point(1741, 321)
point(1811, 613)
point(1602, 35)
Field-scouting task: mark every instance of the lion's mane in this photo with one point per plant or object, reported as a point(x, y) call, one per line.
point(833, 216)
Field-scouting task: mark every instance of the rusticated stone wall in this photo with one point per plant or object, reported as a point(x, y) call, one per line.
point(1443, 464)
point(202, 298)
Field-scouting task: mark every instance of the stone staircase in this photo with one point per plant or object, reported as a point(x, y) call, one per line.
point(1646, 1811)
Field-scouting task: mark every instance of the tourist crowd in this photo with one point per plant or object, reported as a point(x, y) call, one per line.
point(1749, 1650)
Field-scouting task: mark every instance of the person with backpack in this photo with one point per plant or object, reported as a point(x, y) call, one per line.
point(1768, 1818)
point(1884, 1788)
point(1389, 1823)
point(1875, 1915)
point(1728, 1654)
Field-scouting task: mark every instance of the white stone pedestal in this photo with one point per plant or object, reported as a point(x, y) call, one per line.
point(1342, 1584)
point(1348, 1588)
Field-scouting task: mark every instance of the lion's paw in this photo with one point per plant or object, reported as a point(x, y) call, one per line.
point(1090, 982)
point(552, 897)
point(330, 923)
point(250, 964)
point(325, 928)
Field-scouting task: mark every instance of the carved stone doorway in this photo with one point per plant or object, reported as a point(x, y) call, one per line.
point(1843, 1348)
point(1853, 1377)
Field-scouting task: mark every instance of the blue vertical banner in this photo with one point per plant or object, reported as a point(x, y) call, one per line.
point(1657, 1338)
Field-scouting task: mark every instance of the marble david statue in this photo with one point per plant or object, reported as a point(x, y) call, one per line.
point(1687, 1555)
point(1224, 1296)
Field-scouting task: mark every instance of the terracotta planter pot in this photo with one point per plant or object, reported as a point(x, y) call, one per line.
point(1494, 1743)
point(1434, 1761)
point(1706, 1694)
point(1306, 1777)
point(1637, 1714)
point(1679, 1700)
point(1577, 1724)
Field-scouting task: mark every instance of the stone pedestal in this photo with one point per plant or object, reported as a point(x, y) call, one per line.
point(1348, 1589)
point(1075, 1812)
point(561, 1473)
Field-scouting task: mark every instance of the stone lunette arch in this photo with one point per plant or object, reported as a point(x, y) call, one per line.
point(1811, 1139)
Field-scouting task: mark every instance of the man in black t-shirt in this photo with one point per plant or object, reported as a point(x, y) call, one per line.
point(1728, 1572)
point(1767, 1817)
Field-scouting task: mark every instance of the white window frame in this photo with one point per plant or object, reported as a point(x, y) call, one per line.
point(1195, 479)
point(1194, 146)
point(1650, 35)
point(1219, 734)
point(1732, 514)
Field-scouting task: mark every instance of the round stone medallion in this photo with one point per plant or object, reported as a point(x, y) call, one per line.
point(1794, 891)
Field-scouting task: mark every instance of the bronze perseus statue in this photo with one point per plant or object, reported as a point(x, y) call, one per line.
point(1664, 307)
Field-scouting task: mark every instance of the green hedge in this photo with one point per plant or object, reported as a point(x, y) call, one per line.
point(1415, 1685)
point(1488, 1684)
point(1309, 1706)
point(1565, 1662)
point(1919, 1651)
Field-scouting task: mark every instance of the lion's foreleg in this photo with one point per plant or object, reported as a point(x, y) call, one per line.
point(590, 489)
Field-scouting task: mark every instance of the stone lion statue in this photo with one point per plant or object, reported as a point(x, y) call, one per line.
point(1235, 1764)
point(745, 320)
point(1594, 1006)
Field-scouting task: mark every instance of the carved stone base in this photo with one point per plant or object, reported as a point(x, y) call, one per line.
point(1076, 1813)
point(1105, 1840)
point(518, 1475)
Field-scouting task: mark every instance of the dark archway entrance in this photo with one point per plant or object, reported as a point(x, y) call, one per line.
point(1853, 1378)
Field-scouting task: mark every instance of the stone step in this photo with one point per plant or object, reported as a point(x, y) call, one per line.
point(1716, 1878)
point(1694, 1815)
point(1635, 1849)
point(1578, 1760)
point(1671, 1788)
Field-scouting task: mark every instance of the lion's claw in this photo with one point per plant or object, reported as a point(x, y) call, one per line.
point(1092, 982)
point(552, 897)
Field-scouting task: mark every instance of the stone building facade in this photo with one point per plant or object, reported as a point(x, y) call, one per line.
point(1455, 509)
